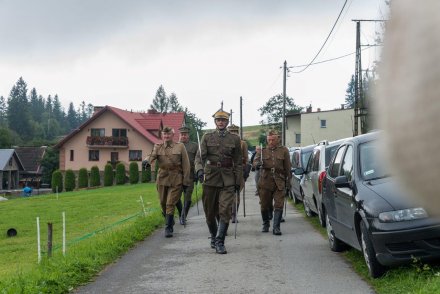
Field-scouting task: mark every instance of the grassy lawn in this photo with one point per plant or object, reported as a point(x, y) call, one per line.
point(101, 224)
point(413, 278)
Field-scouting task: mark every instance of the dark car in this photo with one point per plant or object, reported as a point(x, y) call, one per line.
point(299, 158)
point(368, 210)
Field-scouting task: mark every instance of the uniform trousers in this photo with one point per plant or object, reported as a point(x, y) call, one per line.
point(217, 201)
point(168, 197)
point(269, 193)
point(189, 191)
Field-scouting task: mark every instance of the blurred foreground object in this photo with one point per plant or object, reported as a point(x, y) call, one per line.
point(408, 100)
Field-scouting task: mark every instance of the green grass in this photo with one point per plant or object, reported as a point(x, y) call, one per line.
point(413, 278)
point(94, 232)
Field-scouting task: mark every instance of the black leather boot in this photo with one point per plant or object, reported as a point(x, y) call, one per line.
point(179, 209)
point(276, 222)
point(213, 231)
point(266, 222)
point(169, 226)
point(186, 206)
point(220, 238)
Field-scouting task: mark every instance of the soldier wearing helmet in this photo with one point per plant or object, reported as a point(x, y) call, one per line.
point(173, 175)
point(220, 169)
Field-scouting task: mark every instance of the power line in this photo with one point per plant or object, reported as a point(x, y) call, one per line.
point(333, 59)
point(334, 25)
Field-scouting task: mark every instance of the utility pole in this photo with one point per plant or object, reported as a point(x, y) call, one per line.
point(360, 109)
point(283, 125)
point(241, 117)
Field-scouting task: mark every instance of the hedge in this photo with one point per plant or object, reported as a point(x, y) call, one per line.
point(69, 180)
point(83, 178)
point(95, 179)
point(57, 181)
point(134, 173)
point(108, 175)
point(120, 174)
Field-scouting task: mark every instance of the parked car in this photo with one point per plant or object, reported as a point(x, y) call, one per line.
point(313, 176)
point(299, 159)
point(368, 210)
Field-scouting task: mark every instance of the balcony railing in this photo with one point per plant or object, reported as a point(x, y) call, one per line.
point(107, 141)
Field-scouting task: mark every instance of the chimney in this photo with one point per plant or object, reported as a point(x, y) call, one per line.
point(309, 108)
point(152, 111)
point(96, 109)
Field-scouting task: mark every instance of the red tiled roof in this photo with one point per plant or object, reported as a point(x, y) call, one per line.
point(143, 123)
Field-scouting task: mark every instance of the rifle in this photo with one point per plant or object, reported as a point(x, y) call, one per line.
point(197, 183)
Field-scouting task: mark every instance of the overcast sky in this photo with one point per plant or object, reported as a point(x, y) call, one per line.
point(119, 52)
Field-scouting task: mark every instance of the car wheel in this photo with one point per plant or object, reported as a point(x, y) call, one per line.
point(334, 243)
point(375, 269)
point(321, 216)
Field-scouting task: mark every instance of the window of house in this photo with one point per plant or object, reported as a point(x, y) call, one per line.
point(298, 138)
point(114, 156)
point(93, 155)
point(97, 132)
point(119, 132)
point(72, 155)
point(135, 155)
point(323, 123)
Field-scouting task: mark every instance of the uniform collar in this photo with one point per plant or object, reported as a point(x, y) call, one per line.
point(168, 144)
point(222, 133)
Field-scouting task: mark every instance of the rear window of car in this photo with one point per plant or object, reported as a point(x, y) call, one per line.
point(329, 152)
point(305, 158)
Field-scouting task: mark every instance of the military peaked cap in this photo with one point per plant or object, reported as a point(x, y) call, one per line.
point(273, 132)
point(221, 114)
point(167, 130)
point(184, 129)
point(233, 128)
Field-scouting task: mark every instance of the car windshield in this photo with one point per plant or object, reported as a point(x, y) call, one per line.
point(305, 158)
point(372, 167)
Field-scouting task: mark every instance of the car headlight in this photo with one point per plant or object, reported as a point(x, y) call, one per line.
point(402, 215)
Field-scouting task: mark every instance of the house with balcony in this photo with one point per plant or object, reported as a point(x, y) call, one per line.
point(113, 135)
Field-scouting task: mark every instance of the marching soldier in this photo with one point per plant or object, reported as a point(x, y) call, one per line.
point(274, 180)
point(233, 129)
point(191, 149)
point(221, 177)
point(173, 174)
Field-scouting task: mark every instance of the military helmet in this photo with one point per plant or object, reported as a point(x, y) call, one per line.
point(184, 129)
point(233, 128)
point(221, 114)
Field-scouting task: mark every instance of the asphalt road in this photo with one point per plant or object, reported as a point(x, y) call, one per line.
point(299, 261)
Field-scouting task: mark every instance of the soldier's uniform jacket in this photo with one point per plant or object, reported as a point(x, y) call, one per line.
point(222, 157)
point(276, 167)
point(174, 165)
point(191, 149)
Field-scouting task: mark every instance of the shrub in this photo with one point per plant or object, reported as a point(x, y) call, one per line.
point(120, 174)
point(83, 178)
point(108, 175)
point(95, 179)
point(134, 173)
point(57, 181)
point(146, 175)
point(69, 180)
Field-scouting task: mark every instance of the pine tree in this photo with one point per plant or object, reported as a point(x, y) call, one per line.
point(3, 110)
point(173, 104)
point(18, 110)
point(160, 101)
point(273, 109)
point(349, 94)
point(72, 117)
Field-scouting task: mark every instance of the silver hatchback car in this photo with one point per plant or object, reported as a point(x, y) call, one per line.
point(313, 176)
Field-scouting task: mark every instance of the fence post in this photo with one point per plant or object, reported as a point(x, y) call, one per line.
point(49, 239)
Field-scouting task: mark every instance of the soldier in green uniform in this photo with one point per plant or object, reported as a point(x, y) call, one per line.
point(274, 180)
point(233, 129)
point(173, 174)
point(220, 169)
point(191, 149)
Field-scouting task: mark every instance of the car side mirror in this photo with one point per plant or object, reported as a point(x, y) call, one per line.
point(342, 182)
point(298, 171)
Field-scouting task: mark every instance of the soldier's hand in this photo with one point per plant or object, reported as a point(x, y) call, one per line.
point(258, 166)
point(196, 179)
point(146, 164)
point(200, 175)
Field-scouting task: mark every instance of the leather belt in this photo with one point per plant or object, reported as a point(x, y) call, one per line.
point(274, 170)
point(225, 163)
